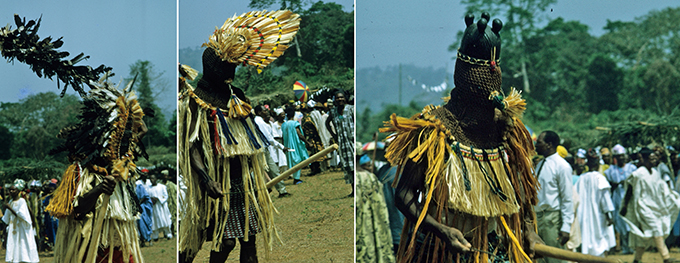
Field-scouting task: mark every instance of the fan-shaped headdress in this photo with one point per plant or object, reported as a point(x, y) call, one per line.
point(256, 38)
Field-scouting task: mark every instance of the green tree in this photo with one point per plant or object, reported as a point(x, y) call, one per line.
point(6, 140)
point(148, 84)
point(36, 120)
point(603, 83)
point(648, 50)
point(293, 5)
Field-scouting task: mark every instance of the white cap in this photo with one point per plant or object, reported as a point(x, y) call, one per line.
point(581, 153)
point(618, 150)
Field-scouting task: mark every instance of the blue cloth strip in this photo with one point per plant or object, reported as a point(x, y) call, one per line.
point(225, 128)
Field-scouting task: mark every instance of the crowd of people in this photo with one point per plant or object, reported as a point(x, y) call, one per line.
point(297, 131)
point(28, 228)
point(602, 200)
point(157, 195)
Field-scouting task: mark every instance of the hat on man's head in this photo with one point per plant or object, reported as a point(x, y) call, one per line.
point(581, 153)
point(35, 183)
point(605, 151)
point(19, 184)
point(256, 38)
point(618, 149)
point(562, 151)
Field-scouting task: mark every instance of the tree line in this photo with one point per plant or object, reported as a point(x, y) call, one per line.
point(28, 128)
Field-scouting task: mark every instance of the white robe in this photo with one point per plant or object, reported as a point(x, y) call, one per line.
point(21, 245)
point(280, 155)
point(161, 213)
point(594, 191)
point(652, 210)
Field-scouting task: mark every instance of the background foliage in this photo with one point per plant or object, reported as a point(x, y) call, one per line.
point(28, 128)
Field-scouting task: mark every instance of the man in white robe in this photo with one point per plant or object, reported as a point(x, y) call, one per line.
point(649, 207)
point(280, 156)
point(594, 213)
point(320, 121)
point(161, 213)
point(21, 245)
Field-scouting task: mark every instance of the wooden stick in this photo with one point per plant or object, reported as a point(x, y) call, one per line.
point(553, 252)
point(97, 231)
point(301, 165)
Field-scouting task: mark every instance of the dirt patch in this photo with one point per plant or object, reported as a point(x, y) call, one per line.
point(316, 223)
point(650, 256)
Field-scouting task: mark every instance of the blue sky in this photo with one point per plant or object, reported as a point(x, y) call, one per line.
point(114, 33)
point(118, 33)
point(419, 32)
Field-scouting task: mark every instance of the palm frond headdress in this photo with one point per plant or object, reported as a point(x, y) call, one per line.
point(256, 38)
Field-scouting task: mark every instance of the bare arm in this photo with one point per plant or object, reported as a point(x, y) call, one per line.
point(299, 134)
point(626, 199)
point(213, 188)
point(328, 127)
point(87, 201)
point(409, 183)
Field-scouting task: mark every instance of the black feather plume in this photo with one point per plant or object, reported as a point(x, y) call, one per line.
point(24, 45)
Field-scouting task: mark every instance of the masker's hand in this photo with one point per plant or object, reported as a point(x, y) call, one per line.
point(455, 240)
point(107, 185)
point(530, 241)
point(564, 237)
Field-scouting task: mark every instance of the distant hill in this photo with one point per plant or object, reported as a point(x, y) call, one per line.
point(378, 86)
point(191, 57)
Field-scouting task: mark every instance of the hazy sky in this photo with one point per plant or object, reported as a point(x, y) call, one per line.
point(419, 32)
point(196, 22)
point(118, 33)
point(113, 33)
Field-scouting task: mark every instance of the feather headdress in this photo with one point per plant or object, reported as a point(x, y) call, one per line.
point(256, 38)
point(106, 140)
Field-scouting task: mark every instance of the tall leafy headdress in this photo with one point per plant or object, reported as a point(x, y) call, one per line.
point(256, 38)
point(107, 138)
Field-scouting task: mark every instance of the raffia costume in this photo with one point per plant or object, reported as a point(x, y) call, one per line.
point(478, 177)
point(215, 116)
point(105, 141)
point(117, 155)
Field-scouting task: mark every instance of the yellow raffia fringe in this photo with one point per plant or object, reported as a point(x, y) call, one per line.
point(514, 104)
point(514, 239)
point(119, 227)
point(479, 201)
point(61, 204)
point(237, 108)
point(187, 72)
point(423, 134)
